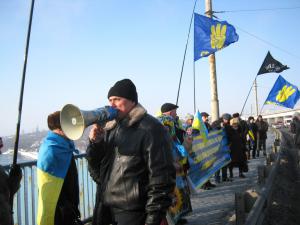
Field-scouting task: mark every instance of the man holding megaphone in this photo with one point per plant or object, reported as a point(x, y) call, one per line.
point(130, 159)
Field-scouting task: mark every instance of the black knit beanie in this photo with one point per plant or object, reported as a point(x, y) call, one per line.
point(168, 107)
point(124, 88)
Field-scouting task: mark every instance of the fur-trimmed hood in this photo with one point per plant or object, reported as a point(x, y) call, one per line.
point(135, 115)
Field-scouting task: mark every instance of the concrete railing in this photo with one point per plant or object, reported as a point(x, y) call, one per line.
point(250, 206)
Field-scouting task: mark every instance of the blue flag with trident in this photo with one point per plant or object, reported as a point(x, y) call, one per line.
point(283, 93)
point(210, 152)
point(211, 35)
point(207, 157)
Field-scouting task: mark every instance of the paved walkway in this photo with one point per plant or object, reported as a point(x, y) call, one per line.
point(216, 206)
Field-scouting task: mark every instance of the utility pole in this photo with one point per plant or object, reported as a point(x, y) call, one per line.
point(256, 101)
point(213, 74)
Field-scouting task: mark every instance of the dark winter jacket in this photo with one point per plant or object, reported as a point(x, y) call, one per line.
point(237, 146)
point(253, 128)
point(217, 124)
point(208, 126)
point(9, 185)
point(262, 128)
point(68, 201)
point(133, 167)
point(295, 129)
point(5, 209)
point(243, 129)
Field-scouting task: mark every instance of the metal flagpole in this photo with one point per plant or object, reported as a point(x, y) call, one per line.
point(261, 109)
point(194, 76)
point(11, 197)
point(256, 101)
point(248, 95)
point(22, 86)
point(187, 41)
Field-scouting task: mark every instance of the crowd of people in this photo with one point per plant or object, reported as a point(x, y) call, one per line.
point(243, 137)
point(137, 162)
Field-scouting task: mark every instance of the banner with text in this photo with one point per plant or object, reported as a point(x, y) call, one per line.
point(207, 157)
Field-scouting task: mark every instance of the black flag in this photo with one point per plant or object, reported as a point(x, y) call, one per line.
point(271, 65)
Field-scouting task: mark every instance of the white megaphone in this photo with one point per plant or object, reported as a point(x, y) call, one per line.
point(73, 121)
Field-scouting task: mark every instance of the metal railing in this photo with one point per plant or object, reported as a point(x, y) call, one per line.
point(25, 201)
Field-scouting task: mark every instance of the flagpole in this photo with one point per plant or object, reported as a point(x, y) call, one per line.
point(261, 109)
point(22, 86)
point(187, 41)
point(256, 100)
point(194, 76)
point(11, 197)
point(248, 95)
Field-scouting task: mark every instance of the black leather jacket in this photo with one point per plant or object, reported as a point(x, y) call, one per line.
point(133, 167)
point(9, 185)
point(5, 212)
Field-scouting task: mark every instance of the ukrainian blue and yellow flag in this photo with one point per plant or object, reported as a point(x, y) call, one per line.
point(54, 160)
point(211, 35)
point(251, 136)
point(199, 125)
point(283, 93)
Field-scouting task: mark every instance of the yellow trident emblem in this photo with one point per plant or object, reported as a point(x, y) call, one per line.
point(218, 36)
point(285, 93)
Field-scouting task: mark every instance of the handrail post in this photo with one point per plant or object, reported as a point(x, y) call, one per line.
point(261, 174)
point(240, 208)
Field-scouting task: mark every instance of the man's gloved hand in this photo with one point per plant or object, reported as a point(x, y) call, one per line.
point(14, 178)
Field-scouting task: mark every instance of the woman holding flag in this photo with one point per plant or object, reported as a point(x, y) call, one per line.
point(181, 200)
